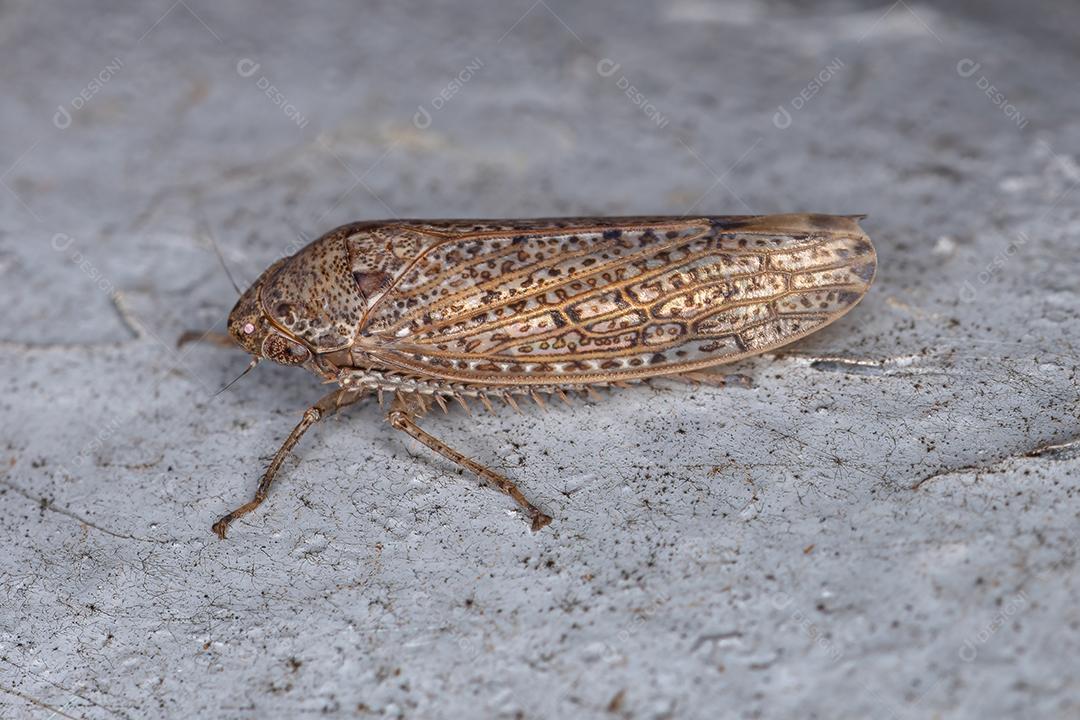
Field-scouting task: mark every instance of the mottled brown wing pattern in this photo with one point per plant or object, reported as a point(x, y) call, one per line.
point(618, 298)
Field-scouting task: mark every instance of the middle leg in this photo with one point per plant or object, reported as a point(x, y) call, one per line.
point(401, 418)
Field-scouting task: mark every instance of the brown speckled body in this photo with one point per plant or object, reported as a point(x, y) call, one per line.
point(477, 308)
point(558, 302)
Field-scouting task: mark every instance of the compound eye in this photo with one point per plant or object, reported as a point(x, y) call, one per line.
point(284, 351)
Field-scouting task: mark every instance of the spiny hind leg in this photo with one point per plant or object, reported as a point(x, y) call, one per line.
point(403, 418)
point(325, 406)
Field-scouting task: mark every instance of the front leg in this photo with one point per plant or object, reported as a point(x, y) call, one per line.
point(326, 405)
point(401, 418)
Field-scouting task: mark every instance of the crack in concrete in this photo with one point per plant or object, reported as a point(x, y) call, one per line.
point(39, 703)
point(1056, 452)
point(46, 504)
point(127, 317)
point(1062, 451)
point(857, 366)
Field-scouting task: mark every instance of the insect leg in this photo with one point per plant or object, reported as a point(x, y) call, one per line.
point(401, 418)
point(209, 337)
point(325, 406)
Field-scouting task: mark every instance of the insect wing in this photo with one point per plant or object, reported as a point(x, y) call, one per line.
point(588, 300)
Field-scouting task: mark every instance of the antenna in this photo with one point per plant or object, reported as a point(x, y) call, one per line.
point(204, 229)
point(249, 368)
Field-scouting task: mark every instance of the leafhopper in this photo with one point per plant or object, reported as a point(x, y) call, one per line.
point(421, 313)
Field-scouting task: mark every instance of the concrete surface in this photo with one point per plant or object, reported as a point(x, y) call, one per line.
point(882, 525)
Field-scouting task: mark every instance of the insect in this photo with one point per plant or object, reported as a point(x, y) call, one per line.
point(471, 311)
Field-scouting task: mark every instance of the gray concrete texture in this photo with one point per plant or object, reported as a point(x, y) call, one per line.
point(881, 523)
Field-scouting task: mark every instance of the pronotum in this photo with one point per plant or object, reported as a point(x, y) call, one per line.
point(430, 311)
